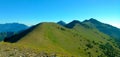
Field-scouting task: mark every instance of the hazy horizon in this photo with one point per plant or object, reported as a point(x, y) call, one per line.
point(31, 12)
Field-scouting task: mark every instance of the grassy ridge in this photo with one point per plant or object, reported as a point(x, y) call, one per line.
point(78, 41)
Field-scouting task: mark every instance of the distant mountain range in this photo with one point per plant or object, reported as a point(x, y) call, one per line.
point(9, 29)
point(93, 23)
point(12, 27)
point(89, 38)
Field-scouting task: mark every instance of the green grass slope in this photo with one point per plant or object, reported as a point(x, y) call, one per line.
point(105, 28)
point(78, 41)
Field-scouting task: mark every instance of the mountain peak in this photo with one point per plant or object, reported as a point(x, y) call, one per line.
point(73, 23)
point(76, 21)
point(47, 35)
point(92, 20)
point(61, 23)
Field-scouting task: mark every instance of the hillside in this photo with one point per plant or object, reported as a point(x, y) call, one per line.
point(78, 40)
point(105, 28)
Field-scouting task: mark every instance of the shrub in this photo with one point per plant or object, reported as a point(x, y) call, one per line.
point(89, 45)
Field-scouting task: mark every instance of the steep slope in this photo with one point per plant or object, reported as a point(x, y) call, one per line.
point(105, 28)
point(78, 40)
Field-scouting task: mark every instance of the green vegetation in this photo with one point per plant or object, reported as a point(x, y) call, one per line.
point(79, 40)
point(105, 28)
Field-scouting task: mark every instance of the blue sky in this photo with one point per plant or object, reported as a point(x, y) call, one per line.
point(31, 12)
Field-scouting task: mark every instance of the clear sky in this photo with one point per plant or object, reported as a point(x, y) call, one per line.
point(31, 12)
